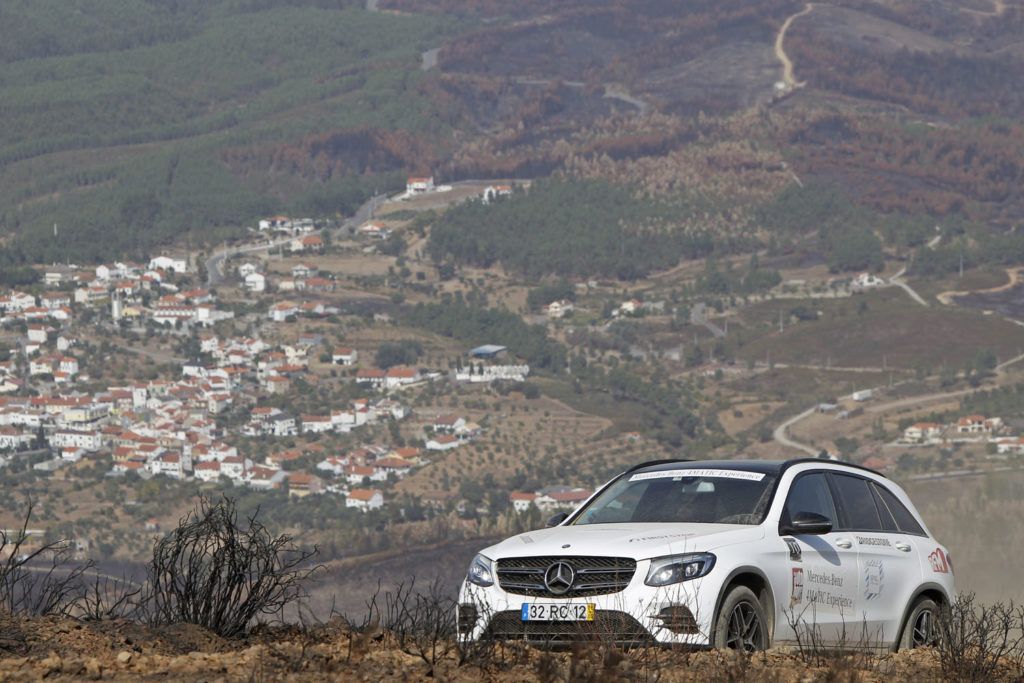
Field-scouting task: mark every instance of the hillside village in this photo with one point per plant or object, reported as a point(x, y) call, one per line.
point(182, 418)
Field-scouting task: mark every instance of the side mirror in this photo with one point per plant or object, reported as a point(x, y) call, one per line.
point(807, 523)
point(555, 520)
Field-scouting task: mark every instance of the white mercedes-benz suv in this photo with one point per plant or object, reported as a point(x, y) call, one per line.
point(736, 554)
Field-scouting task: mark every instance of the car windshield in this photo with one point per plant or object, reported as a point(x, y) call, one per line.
point(717, 496)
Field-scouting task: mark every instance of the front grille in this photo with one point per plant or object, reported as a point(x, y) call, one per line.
point(594, 575)
point(608, 626)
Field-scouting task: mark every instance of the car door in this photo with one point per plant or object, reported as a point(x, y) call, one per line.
point(909, 543)
point(888, 570)
point(822, 567)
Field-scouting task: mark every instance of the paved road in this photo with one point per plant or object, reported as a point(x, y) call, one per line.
point(697, 318)
point(895, 280)
point(781, 433)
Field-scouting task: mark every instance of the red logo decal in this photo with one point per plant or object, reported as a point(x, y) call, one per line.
point(798, 586)
point(938, 560)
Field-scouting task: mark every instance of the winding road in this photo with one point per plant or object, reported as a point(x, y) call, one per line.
point(781, 433)
point(780, 52)
point(697, 318)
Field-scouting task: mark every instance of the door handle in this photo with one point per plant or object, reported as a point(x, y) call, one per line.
point(903, 545)
point(844, 543)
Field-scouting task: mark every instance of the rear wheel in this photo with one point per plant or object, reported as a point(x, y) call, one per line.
point(922, 626)
point(741, 623)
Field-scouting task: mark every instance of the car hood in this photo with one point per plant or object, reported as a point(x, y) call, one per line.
point(638, 541)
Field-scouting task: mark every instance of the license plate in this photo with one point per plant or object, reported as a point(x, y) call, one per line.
point(544, 612)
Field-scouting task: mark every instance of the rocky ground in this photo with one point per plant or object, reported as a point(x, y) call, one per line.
point(65, 649)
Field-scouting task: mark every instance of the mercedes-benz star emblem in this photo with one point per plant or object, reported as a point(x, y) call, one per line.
point(559, 578)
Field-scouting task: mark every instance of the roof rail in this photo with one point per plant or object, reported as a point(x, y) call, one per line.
point(798, 461)
point(652, 463)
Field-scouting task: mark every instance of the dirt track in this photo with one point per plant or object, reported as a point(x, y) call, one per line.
point(780, 53)
point(1000, 9)
point(1013, 273)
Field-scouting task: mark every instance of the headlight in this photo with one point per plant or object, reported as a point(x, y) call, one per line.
point(676, 568)
point(480, 572)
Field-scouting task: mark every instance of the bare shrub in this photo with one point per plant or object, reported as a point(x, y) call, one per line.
point(422, 624)
point(977, 640)
point(212, 572)
point(108, 598)
point(37, 581)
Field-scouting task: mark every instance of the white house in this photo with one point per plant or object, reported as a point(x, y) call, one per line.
point(334, 466)
point(355, 474)
point(315, 424)
point(365, 499)
point(445, 442)
point(55, 300)
point(234, 466)
point(559, 309)
point(922, 431)
point(70, 438)
point(14, 439)
point(492, 192)
point(521, 501)
point(38, 333)
point(866, 280)
point(344, 356)
point(279, 312)
point(419, 185)
point(396, 377)
point(206, 471)
point(561, 499)
point(171, 464)
point(248, 268)
point(256, 282)
point(176, 262)
point(374, 229)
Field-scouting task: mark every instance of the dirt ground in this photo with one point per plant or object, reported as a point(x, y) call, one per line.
point(63, 649)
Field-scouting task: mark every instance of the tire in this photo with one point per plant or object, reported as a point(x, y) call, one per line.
point(921, 628)
point(741, 623)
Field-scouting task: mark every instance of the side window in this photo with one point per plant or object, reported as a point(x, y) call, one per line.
point(904, 519)
point(855, 503)
point(809, 493)
point(884, 516)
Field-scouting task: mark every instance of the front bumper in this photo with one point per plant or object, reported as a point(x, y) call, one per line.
point(639, 614)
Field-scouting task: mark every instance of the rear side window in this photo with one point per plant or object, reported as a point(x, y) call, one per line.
point(809, 493)
point(904, 519)
point(884, 516)
point(856, 505)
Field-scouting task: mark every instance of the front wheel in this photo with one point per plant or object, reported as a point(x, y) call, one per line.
point(741, 623)
point(922, 627)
